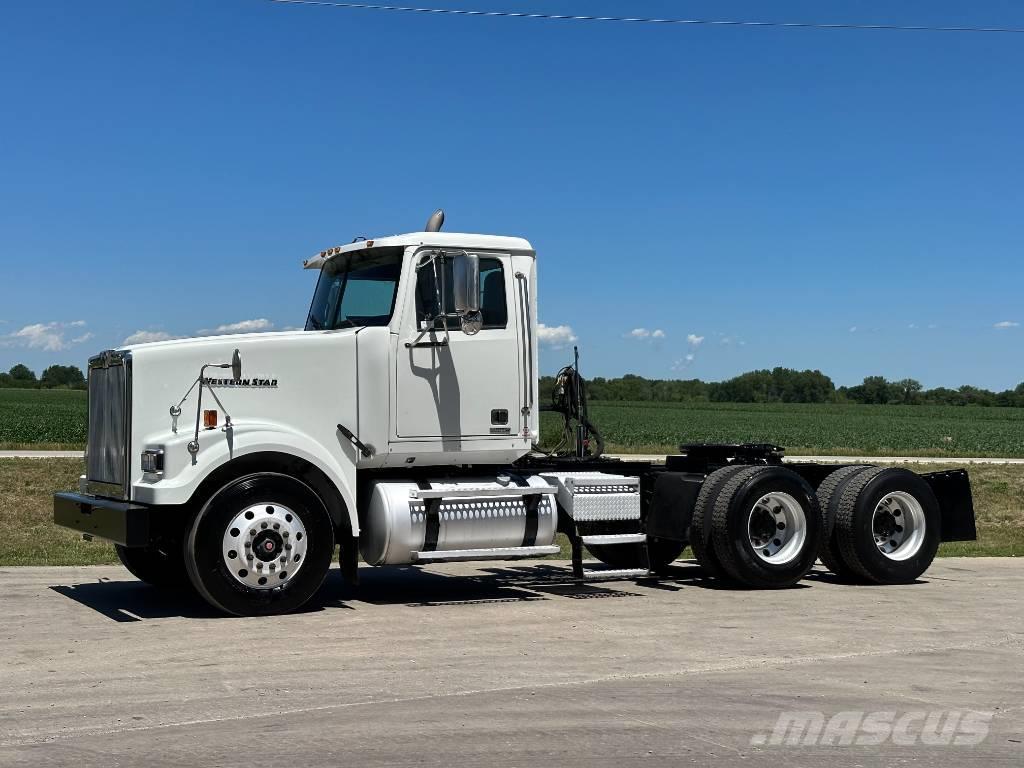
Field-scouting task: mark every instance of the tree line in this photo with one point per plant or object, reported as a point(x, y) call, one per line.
point(55, 377)
point(779, 385)
point(784, 385)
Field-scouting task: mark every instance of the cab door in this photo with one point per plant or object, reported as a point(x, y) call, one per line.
point(456, 385)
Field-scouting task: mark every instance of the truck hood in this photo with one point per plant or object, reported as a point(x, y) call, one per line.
point(217, 341)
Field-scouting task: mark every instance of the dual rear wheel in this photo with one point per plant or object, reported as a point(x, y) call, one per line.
point(764, 526)
point(757, 526)
point(883, 524)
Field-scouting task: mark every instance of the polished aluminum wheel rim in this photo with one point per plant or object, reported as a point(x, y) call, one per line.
point(898, 525)
point(777, 528)
point(264, 546)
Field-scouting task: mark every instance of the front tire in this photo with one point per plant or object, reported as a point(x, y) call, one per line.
point(262, 545)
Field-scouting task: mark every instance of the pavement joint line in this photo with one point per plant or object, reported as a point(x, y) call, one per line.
point(1010, 639)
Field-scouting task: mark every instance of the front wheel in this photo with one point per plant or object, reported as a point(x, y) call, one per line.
point(262, 545)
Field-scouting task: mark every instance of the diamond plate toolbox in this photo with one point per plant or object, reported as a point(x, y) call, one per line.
point(593, 496)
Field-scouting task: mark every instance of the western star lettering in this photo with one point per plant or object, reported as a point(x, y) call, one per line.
point(251, 383)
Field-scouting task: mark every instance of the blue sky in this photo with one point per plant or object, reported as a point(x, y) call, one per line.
point(849, 201)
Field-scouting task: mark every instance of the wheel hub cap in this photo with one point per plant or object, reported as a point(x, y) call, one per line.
point(777, 528)
point(264, 545)
point(898, 525)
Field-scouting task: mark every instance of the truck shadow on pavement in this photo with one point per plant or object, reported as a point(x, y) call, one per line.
point(414, 587)
point(132, 601)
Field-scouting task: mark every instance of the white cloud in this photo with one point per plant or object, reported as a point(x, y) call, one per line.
point(46, 336)
point(693, 341)
point(1006, 324)
point(645, 333)
point(853, 329)
point(684, 362)
point(144, 337)
point(555, 336)
point(242, 326)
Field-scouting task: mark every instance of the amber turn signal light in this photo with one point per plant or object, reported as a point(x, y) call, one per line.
point(210, 419)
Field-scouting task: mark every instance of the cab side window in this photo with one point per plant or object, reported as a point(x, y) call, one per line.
point(493, 301)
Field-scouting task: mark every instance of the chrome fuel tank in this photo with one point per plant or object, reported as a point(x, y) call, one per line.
point(484, 512)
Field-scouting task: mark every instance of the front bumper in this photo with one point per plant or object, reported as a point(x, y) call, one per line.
point(120, 522)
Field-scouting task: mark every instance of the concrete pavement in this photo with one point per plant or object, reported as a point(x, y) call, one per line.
point(505, 664)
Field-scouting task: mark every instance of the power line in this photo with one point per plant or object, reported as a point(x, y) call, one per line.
point(640, 20)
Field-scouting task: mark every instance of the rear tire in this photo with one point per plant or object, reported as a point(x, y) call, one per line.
point(766, 527)
point(829, 494)
point(888, 525)
point(262, 545)
point(700, 525)
point(157, 566)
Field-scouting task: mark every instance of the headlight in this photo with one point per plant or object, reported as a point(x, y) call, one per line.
point(153, 460)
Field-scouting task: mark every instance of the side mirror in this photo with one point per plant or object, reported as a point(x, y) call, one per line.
point(236, 366)
point(466, 273)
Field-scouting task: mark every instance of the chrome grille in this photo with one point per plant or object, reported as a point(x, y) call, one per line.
point(106, 461)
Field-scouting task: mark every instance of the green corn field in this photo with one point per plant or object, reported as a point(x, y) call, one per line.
point(57, 418)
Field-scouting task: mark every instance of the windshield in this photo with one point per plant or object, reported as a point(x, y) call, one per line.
point(356, 289)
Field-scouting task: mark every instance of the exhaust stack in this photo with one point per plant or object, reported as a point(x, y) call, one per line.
point(436, 221)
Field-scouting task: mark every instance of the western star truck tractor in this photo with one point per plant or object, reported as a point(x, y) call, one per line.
point(402, 426)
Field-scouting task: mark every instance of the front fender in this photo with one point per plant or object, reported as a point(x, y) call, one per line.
point(182, 474)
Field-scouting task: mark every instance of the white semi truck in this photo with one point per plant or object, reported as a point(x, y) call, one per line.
point(402, 426)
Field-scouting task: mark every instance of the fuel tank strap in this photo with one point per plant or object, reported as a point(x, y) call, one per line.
point(531, 504)
point(432, 513)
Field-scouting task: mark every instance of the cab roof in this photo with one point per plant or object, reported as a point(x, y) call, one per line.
point(456, 240)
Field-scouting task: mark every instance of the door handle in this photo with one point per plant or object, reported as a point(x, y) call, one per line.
point(414, 344)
